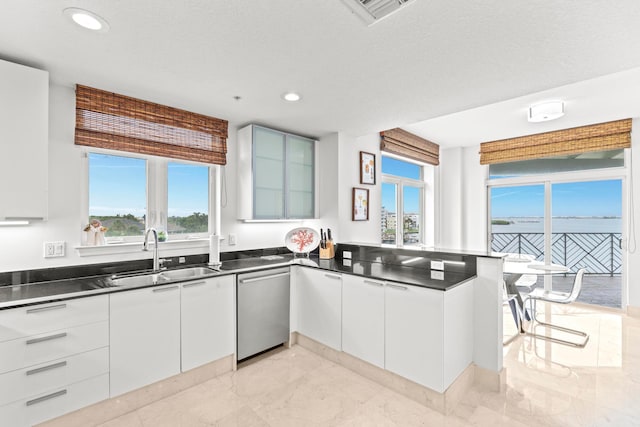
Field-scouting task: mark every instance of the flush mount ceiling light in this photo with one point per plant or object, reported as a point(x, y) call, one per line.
point(86, 19)
point(291, 97)
point(546, 111)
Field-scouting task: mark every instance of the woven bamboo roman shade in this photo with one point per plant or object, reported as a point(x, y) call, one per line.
point(600, 137)
point(117, 122)
point(406, 144)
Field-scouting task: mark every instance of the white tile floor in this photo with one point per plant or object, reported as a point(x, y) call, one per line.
point(547, 385)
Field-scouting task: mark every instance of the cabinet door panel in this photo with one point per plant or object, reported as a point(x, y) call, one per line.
point(144, 337)
point(24, 133)
point(208, 321)
point(319, 297)
point(41, 318)
point(363, 319)
point(414, 334)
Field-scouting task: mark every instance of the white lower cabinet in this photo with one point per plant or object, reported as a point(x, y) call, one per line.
point(55, 402)
point(363, 318)
point(414, 334)
point(144, 337)
point(54, 358)
point(161, 331)
point(208, 320)
point(318, 296)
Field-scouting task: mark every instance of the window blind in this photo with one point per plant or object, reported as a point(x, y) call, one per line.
point(406, 144)
point(599, 137)
point(118, 122)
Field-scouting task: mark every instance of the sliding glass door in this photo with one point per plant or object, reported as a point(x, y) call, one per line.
point(577, 224)
point(586, 232)
point(517, 219)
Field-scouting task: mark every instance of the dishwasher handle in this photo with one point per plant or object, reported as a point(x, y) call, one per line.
point(255, 279)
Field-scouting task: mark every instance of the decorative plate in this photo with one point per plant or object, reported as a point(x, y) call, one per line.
point(302, 240)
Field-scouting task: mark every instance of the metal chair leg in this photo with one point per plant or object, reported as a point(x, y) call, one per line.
point(535, 319)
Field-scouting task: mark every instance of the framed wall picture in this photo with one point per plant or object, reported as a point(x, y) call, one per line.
point(360, 204)
point(367, 168)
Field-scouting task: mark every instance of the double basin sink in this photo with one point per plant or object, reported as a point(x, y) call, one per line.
point(162, 277)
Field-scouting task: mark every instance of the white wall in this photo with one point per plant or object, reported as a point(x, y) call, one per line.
point(21, 248)
point(349, 161)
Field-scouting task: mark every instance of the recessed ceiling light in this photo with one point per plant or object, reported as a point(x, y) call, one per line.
point(546, 111)
point(291, 97)
point(86, 19)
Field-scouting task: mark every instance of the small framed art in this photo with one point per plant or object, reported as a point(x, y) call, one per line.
point(367, 168)
point(360, 204)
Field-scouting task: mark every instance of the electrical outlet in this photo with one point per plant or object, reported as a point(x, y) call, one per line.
point(437, 265)
point(346, 254)
point(437, 275)
point(232, 239)
point(53, 249)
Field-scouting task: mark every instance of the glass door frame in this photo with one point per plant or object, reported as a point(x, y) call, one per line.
point(548, 180)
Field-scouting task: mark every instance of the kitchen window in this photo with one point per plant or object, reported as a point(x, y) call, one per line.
point(403, 202)
point(118, 194)
point(187, 199)
point(129, 194)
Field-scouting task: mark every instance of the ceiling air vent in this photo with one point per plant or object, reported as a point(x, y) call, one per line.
point(372, 11)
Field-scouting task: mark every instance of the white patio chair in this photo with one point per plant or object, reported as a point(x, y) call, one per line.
point(539, 294)
point(510, 299)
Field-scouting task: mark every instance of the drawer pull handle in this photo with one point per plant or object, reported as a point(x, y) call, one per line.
point(333, 276)
point(170, 288)
point(271, 276)
point(371, 282)
point(47, 397)
point(398, 287)
point(47, 338)
point(190, 285)
point(47, 368)
point(51, 307)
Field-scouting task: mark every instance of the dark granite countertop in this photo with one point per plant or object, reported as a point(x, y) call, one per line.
point(390, 271)
point(438, 280)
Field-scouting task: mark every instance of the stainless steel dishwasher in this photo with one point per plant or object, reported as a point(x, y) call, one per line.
point(263, 311)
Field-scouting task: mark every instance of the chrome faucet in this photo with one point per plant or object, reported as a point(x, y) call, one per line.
point(145, 247)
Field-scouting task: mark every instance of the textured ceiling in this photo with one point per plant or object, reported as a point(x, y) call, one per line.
point(432, 59)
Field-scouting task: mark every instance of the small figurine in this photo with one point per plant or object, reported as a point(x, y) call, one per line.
point(95, 233)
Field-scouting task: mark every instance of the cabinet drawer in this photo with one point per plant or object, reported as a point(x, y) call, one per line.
point(40, 318)
point(41, 348)
point(54, 403)
point(35, 380)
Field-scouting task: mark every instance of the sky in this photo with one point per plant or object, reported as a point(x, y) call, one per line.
point(593, 198)
point(117, 185)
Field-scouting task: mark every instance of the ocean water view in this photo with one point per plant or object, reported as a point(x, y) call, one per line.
point(559, 225)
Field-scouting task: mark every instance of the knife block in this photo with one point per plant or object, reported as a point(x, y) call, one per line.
point(329, 252)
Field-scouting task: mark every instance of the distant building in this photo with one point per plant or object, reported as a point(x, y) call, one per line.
point(391, 220)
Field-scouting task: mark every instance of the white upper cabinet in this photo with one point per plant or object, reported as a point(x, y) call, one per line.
point(24, 134)
point(276, 175)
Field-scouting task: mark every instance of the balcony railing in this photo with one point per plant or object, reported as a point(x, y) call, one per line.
point(599, 253)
